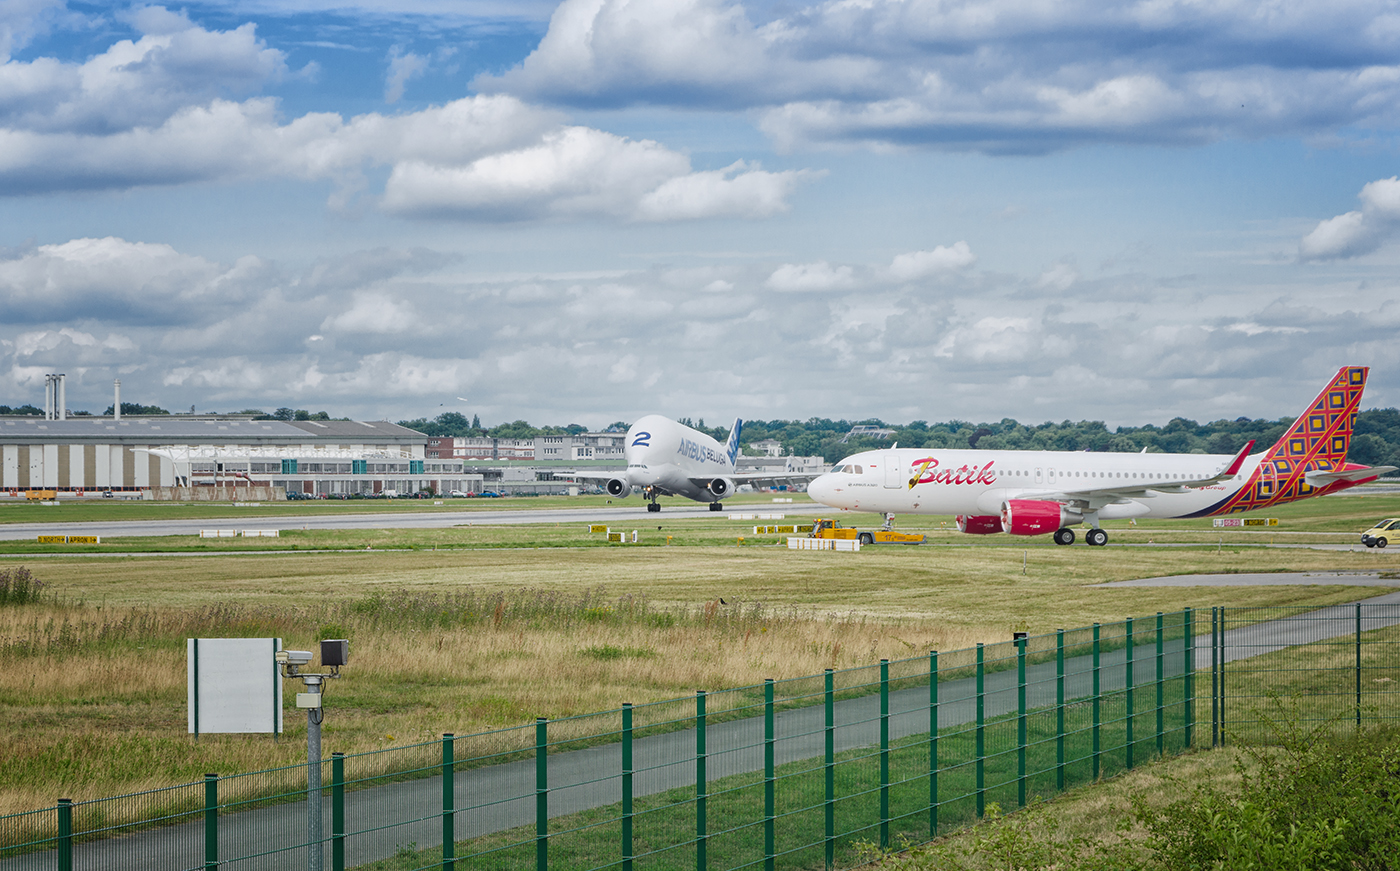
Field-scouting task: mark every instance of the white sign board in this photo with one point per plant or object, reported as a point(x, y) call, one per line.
point(233, 685)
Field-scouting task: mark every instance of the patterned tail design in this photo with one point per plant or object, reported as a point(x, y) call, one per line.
point(1317, 441)
point(731, 450)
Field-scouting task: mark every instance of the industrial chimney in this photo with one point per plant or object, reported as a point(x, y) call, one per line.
point(117, 399)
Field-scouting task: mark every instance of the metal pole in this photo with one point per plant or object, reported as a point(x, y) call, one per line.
point(830, 772)
point(1021, 722)
point(449, 813)
point(1221, 640)
point(1188, 620)
point(1358, 665)
point(338, 811)
point(770, 810)
point(65, 834)
point(1128, 680)
point(627, 786)
point(211, 822)
point(981, 724)
point(1160, 661)
point(701, 834)
point(541, 794)
point(1059, 710)
point(884, 754)
point(1215, 676)
point(1097, 719)
point(315, 856)
point(933, 744)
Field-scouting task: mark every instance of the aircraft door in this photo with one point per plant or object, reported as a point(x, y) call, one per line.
point(1037, 475)
point(892, 471)
point(1050, 476)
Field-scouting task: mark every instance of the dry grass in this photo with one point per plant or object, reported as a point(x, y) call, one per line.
point(92, 685)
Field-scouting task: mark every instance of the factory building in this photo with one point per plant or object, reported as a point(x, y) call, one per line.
point(161, 456)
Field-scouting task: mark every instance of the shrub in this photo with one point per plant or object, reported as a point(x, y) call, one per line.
point(1315, 800)
point(18, 586)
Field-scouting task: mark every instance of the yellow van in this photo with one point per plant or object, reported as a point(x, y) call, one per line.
point(1380, 534)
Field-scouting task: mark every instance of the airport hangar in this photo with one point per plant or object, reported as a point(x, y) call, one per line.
point(214, 456)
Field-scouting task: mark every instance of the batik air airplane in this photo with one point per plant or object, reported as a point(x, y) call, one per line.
point(1040, 492)
point(667, 458)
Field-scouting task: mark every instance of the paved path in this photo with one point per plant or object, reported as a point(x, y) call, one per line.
point(637, 514)
point(502, 796)
point(1262, 579)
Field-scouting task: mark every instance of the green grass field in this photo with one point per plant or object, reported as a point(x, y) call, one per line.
point(472, 628)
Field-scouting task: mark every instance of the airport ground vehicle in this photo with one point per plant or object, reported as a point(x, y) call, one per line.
point(1381, 534)
point(833, 529)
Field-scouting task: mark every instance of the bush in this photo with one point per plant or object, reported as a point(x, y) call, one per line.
point(1313, 801)
point(18, 586)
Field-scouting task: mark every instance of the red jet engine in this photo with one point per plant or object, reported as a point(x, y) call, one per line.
point(1036, 516)
point(979, 524)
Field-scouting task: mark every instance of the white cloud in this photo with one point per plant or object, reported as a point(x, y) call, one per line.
point(1360, 232)
point(993, 75)
point(137, 83)
point(921, 264)
point(810, 277)
point(403, 330)
point(373, 313)
point(402, 67)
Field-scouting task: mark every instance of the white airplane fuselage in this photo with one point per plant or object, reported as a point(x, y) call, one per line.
point(670, 458)
point(972, 482)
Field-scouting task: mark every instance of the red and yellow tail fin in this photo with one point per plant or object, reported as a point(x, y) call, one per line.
point(1323, 431)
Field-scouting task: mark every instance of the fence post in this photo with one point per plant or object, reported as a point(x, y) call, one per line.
point(1358, 665)
point(1021, 722)
point(626, 786)
point(1215, 676)
point(1059, 710)
point(1128, 682)
point(770, 804)
point(449, 831)
point(884, 754)
point(65, 834)
point(981, 723)
point(337, 811)
point(933, 744)
point(701, 788)
point(1221, 639)
point(541, 794)
point(1188, 620)
point(830, 768)
point(211, 822)
point(1160, 740)
point(1097, 718)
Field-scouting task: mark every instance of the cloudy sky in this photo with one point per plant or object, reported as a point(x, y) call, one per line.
point(588, 210)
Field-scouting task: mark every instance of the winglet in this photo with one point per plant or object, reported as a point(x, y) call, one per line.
point(1238, 461)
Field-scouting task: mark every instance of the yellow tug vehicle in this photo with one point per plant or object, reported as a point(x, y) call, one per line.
point(885, 535)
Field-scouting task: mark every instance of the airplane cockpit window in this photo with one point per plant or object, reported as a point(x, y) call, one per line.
point(859, 470)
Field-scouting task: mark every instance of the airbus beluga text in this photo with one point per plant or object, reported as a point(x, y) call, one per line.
point(667, 458)
point(1040, 492)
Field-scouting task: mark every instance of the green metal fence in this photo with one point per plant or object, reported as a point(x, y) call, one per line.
point(790, 773)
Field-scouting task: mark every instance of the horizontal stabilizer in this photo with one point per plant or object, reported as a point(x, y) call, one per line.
point(1354, 475)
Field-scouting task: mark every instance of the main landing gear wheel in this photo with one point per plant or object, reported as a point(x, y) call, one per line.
point(1096, 538)
point(1064, 536)
point(653, 506)
point(716, 506)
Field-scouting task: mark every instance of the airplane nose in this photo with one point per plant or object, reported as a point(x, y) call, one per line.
point(821, 489)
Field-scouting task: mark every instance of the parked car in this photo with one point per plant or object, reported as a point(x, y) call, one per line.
point(296, 494)
point(1381, 534)
point(458, 494)
point(488, 494)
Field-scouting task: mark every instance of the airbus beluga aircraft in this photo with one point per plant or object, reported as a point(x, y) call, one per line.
point(667, 458)
point(1046, 492)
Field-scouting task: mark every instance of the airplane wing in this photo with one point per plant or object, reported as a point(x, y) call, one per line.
point(594, 476)
point(1096, 497)
point(760, 479)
